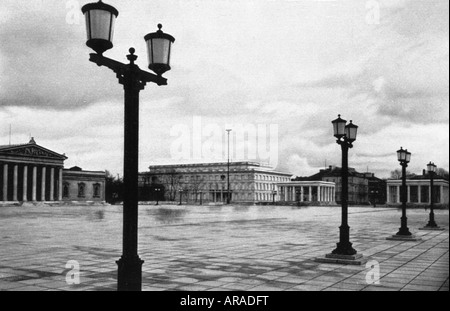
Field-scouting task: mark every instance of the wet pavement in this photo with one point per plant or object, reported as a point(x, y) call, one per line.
point(202, 248)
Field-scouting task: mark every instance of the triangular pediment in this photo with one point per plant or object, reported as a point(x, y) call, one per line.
point(31, 150)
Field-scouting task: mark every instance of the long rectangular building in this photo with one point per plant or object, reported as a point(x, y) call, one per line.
point(250, 182)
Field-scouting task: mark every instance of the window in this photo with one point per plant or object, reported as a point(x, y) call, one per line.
point(66, 190)
point(81, 190)
point(97, 190)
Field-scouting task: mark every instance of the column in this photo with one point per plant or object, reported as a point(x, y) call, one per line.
point(419, 194)
point(310, 194)
point(44, 172)
point(52, 184)
point(388, 194)
point(60, 184)
point(33, 194)
point(319, 194)
point(398, 194)
point(25, 184)
point(302, 193)
point(5, 182)
point(15, 182)
point(441, 194)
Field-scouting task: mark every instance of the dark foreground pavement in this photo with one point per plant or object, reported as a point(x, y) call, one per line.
point(200, 248)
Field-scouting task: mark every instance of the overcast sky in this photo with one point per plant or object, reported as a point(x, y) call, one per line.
point(284, 68)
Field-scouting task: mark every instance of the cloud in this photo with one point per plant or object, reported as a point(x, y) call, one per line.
point(296, 64)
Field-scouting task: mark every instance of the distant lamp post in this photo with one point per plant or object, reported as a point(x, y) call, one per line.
point(344, 252)
point(181, 196)
point(404, 157)
point(374, 194)
point(432, 225)
point(228, 168)
point(157, 194)
point(100, 21)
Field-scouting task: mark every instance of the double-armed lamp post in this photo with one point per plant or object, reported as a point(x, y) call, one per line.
point(100, 20)
point(346, 135)
point(404, 157)
point(432, 225)
point(344, 252)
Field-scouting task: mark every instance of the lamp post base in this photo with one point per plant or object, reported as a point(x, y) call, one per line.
point(129, 276)
point(357, 259)
point(399, 237)
point(432, 228)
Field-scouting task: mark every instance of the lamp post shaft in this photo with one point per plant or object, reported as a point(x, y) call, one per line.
point(432, 223)
point(344, 247)
point(404, 230)
point(228, 170)
point(130, 265)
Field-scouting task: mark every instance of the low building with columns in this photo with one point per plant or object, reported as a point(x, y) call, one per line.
point(418, 190)
point(317, 192)
point(32, 173)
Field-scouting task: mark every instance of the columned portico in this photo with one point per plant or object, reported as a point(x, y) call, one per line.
point(319, 192)
point(28, 173)
point(418, 191)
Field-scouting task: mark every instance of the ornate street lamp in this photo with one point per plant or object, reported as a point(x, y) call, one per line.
point(404, 157)
point(157, 193)
point(432, 225)
point(181, 194)
point(159, 46)
point(100, 20)
point(344, 252)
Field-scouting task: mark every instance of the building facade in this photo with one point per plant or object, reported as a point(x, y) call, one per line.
point(250, 182)
point(358, 184)
point(418, 190)
point(32, 173)
point(79, 185)
point(318, 192)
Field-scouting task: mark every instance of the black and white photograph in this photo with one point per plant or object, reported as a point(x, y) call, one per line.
point(225, 152)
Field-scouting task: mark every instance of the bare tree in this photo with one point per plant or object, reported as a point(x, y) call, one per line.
point(196, 185)
point(397, 174)
point(172, 183)
point(443, 173)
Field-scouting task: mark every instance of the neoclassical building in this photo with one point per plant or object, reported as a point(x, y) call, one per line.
point(418, 190)
point(32, 173)
point(250, 182)
point(319, 192)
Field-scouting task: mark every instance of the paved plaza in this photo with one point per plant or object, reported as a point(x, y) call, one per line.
point(217, 248)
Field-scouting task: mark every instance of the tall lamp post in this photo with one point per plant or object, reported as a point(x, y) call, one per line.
point(432, 225)
point(344, 252)
point(100, 20)
point(404, 157)
point(181, 196)
point(228, 168)
point(157, 193)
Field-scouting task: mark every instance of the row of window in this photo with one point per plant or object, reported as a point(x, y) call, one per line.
point(82, 190)
point(272, 178)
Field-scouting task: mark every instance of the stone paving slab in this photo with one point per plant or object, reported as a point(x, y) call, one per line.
point(227, 248)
